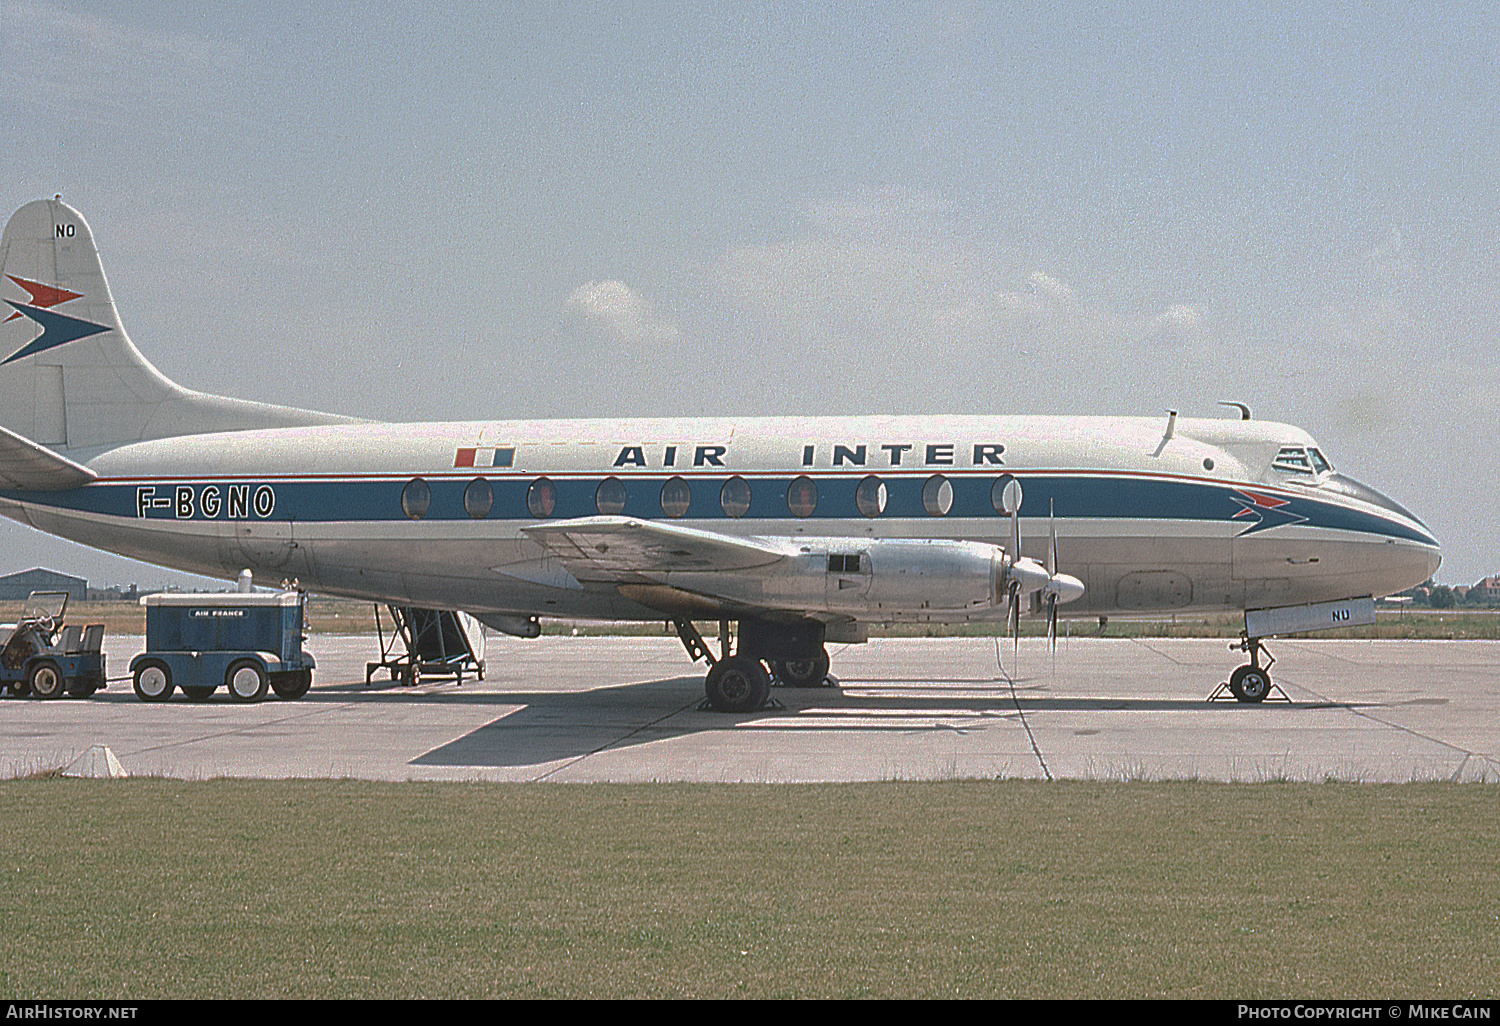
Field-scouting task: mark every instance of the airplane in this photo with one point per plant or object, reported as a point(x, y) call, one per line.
point(799, 532)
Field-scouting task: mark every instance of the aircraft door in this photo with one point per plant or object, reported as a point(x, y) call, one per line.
point(270, 546)
point(848, 579)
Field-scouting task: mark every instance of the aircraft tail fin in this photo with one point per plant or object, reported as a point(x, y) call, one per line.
point(70, 378)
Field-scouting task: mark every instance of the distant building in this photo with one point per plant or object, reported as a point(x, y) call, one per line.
point(19, 585)
point(1486, 591)
point(114, 593)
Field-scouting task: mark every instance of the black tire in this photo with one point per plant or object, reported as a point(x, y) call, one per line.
point(246, 681)
point(1250, 684)
point(83, 687)
point(198, 692)
point(152, 681)
point(46, 679)
point(292, 685)
point(20, 689)
point(738, 685)
point(803, 673)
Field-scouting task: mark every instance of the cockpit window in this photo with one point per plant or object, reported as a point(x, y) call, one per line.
point(1293, 458)
point(1319, 464)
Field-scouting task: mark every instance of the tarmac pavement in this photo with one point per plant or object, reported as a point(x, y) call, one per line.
point(627, 709)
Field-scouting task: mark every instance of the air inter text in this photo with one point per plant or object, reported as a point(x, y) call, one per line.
point(890, 454)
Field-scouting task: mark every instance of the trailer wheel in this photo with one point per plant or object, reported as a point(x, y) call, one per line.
point(46, 679)
point(292, 685)
point(246, 681)
point(198, 692)
point(153, 681)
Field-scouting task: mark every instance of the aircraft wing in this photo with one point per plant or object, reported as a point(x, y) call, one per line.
point(30, 467)
point(623, 548)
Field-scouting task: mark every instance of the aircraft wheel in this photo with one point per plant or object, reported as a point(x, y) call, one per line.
point(292, 685)
point(46, 679)
point(804, 673)
point(246, 681)
point(738, 684)
point(153, 681)
point(197, 692)
point(1250, 684)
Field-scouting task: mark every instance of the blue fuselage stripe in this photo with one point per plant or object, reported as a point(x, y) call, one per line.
point(1071, 496)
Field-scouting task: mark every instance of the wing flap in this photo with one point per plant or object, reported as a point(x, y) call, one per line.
point(624, 548)
point(29, 467)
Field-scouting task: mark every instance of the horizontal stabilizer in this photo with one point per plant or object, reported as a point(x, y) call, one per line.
point(29, 467)
point(615, 548)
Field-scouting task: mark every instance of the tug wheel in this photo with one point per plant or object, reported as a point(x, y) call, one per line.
point(46, 679)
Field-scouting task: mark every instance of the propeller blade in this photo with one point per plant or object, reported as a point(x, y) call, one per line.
point(1052, 543)
point(1013, 623)
point(1052, 624)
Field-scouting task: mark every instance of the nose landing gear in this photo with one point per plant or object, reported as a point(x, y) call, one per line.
point(1250, 683)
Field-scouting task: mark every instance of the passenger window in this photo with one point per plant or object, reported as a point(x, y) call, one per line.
point(416, 498)
point(870, 496)
point(937, 496)
point(734, 497)
point(802, 497)
point(541, 498)
point(1005, 494)
point(675, 497)
point(478, 498)
point(609, 499)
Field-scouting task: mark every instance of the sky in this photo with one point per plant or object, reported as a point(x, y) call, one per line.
point(423, 212)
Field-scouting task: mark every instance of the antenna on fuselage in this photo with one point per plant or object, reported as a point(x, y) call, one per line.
point(1171, 430)
point(1244, 410)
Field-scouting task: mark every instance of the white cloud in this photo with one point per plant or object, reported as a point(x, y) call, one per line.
point(1178, 315)
point(619, 310)
point(873, 213)
point(1046, 285)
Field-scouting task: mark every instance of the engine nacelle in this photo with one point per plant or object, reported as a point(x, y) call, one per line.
point(916, 576)
point(881, 579)
point(867, 578)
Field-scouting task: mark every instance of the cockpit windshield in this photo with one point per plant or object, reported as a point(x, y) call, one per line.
point(1295, 459)
point(1314, 471)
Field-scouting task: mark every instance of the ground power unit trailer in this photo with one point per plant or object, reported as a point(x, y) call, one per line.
point(246, 642)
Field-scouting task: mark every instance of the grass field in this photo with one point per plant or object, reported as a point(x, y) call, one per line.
point(152, 888)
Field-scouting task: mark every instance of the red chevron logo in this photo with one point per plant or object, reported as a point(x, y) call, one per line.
point(44, 296)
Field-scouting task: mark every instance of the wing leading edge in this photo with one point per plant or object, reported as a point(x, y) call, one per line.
point(624, 549)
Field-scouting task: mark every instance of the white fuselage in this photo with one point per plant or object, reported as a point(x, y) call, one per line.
point(1195, 519)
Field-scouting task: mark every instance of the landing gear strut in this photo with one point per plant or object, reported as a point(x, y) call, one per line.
point(1252, 682)
point(738, 679)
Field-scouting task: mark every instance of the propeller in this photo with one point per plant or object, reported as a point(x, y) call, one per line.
point(1026, 576)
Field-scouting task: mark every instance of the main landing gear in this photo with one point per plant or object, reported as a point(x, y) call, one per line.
point(1251, 682)
point(739, 679)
